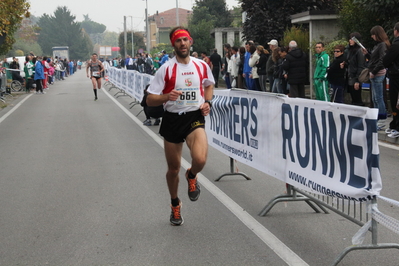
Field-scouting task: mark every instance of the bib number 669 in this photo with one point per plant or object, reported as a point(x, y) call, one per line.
point(188, 96)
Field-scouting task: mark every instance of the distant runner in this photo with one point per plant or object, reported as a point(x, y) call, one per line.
point(96, 69)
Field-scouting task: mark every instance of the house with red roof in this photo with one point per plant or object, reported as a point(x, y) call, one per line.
point(161, 23)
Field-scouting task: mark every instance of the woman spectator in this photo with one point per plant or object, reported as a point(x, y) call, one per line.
point(225, 71)
point(355, 63)
point(378, 71)
point(252, 63)
point(336, 75)
point(261, 66)
point(240, 78)
point(278, 57)
point(233, 66)
point(39, 75)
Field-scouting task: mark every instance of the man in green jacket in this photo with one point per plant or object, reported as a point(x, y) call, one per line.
point(320, 73)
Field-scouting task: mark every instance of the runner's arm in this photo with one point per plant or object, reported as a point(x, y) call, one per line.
point(156, 100)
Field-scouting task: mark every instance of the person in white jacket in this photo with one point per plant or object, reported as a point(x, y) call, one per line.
point(252, 63)
point(233, 66)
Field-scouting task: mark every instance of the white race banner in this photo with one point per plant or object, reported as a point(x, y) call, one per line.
point(131, 82)
point(321, 147)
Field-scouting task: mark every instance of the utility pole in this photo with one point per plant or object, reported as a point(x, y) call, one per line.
point(124, 27)
point(147, 27)
point(177, 13)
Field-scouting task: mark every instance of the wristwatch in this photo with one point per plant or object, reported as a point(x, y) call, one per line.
point(210, 103)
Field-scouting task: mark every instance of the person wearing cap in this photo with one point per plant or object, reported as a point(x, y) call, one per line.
point(273, 44)
point(184, 85)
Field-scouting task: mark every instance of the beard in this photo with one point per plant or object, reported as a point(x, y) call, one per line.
point(182, 54)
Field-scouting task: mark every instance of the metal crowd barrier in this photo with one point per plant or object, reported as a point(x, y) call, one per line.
point(232, 173)
point(356, 212)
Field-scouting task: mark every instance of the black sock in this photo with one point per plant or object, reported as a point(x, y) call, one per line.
point(95, 92)
point(175, 202)
point(191, 175)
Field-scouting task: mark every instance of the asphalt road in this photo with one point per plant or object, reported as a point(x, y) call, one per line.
point(82, 183)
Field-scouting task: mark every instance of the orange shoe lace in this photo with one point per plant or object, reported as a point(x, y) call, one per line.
point(192, 184)
point(176, 212)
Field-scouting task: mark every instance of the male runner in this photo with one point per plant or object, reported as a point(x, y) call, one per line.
point(96, 67)
point(184, 85)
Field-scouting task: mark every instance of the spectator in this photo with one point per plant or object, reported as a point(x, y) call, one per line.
point(129, 62)
point(320, 73)
point(261, 66)
point(205, 57)
point(156, 62)
point(254, 71)
point(246, 68)
point(233, 66)
point(28, 69)
point(151, 111)
point(336, 75)
point(278, 58)
point(225, 70)
point(15, 73)
point(216, 61)
point(354, 63)
point(391, 61)
point(378, 71)
point(39, 75)
point(240, 78)
point(273, 44)
point(296, 67)
point(194, 54)
point(165, 57)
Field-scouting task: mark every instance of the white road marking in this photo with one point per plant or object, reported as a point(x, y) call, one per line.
point(14, 108)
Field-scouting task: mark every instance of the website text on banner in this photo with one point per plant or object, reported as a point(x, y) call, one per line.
point(326, 148)
point(130, 81)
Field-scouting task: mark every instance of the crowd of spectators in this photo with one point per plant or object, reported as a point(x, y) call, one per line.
point(39, 71)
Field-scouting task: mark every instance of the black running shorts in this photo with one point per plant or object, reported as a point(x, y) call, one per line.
point(176, 127)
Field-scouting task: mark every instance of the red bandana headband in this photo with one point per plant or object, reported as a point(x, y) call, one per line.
point(178, 34)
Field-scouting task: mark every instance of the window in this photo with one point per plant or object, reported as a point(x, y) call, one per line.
point(224, 37)
point(236, 37)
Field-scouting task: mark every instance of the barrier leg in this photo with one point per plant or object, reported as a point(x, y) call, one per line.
point(232, 172)
point(363, 247)
point(291, 195)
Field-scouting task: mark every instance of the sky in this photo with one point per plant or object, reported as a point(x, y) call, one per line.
point(111, 12)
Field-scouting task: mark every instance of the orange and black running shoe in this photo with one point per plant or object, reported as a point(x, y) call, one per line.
point(194, 188)
point(175, 216)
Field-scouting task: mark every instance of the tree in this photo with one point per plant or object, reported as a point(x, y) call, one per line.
point(26, 38)
point(138, 41)
point(92, 27)
point(11, 15)
point(216, 9)
point(62, 30)
point(361, 15)
point(268, 19)
point(203, 42)
point(110, 38)
point(207, 15)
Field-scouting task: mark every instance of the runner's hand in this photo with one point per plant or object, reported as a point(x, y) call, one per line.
point(205, 109)
point(174, 95)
